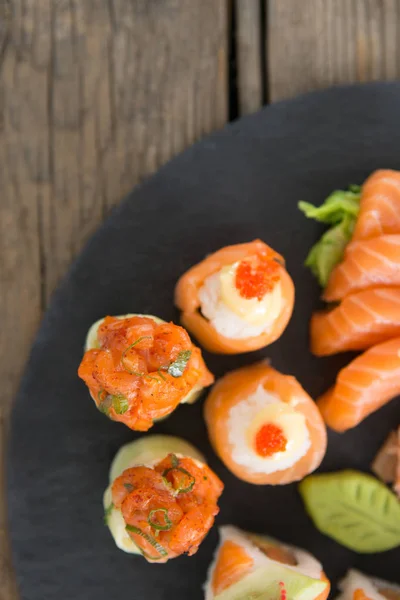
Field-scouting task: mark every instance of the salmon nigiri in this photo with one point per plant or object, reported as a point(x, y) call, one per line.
point(358, 586)
point(238, 299)
point(364, 386)
point(139, 369)
point(379, 205)
point(247, 565)
point(367, 264)
point(264, 426)
point(162, 498)
point(361, 320)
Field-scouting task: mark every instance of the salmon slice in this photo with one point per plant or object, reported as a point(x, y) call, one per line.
point(233, 389)
point(360, 321)
point(359, 594)
point(366, 384)
point(232, 564)
point(379, 205)
point(187, 299)
point(366, 264)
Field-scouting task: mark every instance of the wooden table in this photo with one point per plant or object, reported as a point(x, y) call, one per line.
point(97, 94)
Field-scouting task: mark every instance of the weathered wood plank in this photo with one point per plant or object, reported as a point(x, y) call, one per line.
point(94, 96)
point(248, 52)
point(314, 44)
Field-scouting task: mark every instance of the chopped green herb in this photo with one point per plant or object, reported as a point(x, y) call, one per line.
point(183, 487)
point(150, 540)
point(143, 337)
point(120, 404)
point(105, 403)
point(129, 487)
point(174, 460)
point(340, 210)
point(205, 478)
point(177, 368)
point(161, 375)
point(155, 378)
point(155, 524)
point(108, 512)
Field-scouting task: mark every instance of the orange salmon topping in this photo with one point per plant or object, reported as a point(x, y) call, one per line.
point(168, 509)
point(269, 440)
point(360, 595)
point(256, 276)
point(141, 370)
point(232, 564)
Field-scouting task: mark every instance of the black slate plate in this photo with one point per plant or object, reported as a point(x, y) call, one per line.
point(241, 183)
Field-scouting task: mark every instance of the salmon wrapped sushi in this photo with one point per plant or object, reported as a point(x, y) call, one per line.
point(357, 586)
point(162, 498)
point(264, 426)
point(237, 299)
point(254, 566)
point(139, 369)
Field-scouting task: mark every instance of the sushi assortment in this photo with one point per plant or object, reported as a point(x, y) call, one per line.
point(162, 498)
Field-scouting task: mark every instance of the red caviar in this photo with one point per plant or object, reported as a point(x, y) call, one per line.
point(269, 440)
point(283, 590)
point(165, 516)
point(256, 276)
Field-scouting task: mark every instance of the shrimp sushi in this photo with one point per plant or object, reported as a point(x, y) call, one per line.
point(247, 565)
point(361, 320)
point(238, 299)
point(357, 586)
point(379, 205)
point(370, 381)
point(264, 426)
point(162, 498)
point(139, 368)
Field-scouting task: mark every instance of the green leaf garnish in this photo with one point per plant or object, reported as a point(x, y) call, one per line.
point(120, 404)
point(329, 250)
point(340, 210)
point(156, 524)
point(353, 508)
point(153, 542)
point(177, 368)
point(129, 487)
point(107, 513)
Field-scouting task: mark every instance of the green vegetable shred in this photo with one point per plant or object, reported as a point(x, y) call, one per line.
point(340, 211)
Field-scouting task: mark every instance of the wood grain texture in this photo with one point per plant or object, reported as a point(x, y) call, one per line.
point(248, 52)
point(314, 44)
point(94, 96)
